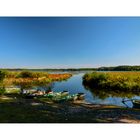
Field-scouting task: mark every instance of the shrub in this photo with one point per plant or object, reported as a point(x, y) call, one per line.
point(2, 75)
point(25, 74)
point(2, 90)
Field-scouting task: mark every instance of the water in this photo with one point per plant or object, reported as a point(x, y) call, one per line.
point(74, 85)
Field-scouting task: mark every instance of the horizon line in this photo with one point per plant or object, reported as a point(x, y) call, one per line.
point(69, 67)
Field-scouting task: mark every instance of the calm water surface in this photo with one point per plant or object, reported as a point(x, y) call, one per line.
point(74, 85)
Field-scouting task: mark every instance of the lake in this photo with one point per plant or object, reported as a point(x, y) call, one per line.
point(74, 85)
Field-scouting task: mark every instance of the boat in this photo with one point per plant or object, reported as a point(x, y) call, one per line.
point(81, 96)
point(66, 98)
point(57, 96)
point(64, 93)
point(30, 96)
point(136, 103)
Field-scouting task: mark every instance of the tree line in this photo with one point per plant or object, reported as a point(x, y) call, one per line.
point(111, 68)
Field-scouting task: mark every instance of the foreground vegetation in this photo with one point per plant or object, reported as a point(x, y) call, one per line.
point(122, 81)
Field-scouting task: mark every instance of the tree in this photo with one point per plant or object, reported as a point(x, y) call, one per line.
point(25, 74)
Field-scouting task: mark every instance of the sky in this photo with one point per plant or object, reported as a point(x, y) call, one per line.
point(69, 42)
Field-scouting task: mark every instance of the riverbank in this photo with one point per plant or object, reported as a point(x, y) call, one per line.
point(15, 109)
point(29, 79)
point(115, 81)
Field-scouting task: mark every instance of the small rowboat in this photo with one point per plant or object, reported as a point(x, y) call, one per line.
point(66, 98)
point(136, 103)
point(30, 96)
point(58, 96)
point(81, 96)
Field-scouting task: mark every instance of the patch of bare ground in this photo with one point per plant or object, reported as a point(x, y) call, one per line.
point(16, 109)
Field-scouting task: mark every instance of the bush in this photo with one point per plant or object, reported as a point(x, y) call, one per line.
point(2, 90)
point(95, 79)
point(2, 75)
point(25, 74)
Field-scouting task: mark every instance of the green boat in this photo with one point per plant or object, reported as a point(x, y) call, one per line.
point(66, 98)
point(58, 96)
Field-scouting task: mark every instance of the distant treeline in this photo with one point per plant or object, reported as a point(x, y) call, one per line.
point(115, 68)
point(53, 70)
point(119, 68)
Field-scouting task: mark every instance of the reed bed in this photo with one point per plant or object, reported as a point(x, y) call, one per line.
point(27, 79)
point(123, 81)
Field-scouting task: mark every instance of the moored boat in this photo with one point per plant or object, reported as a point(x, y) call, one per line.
point(136, 103)
point(57, 96)
point(30, 96)
point(80, 96)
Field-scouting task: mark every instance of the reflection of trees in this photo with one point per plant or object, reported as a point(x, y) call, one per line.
point(102, 94)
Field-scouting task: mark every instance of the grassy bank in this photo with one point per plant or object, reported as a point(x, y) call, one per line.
point(40, 79)
point(122, 81)
point(29, 79)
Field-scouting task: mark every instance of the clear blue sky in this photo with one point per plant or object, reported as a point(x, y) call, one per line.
point(51, 42)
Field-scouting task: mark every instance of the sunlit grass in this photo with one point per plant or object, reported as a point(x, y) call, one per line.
point(126, 81)
point(27, 79)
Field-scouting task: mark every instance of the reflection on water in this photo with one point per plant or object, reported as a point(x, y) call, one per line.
point(112, 97)
point(75, 84)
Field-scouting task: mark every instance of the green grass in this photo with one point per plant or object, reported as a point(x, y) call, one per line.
point(122, 81)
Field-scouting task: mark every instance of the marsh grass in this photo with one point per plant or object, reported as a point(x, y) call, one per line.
point(122, 81)
point(29, 79)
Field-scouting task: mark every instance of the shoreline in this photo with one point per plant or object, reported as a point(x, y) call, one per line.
point(19, 110)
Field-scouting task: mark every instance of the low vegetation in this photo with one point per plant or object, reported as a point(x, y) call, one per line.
point(122, 81)
point(27, 79)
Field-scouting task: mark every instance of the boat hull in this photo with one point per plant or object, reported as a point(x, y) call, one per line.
point(58, 96)
point(136, 104)
point(80, 96)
